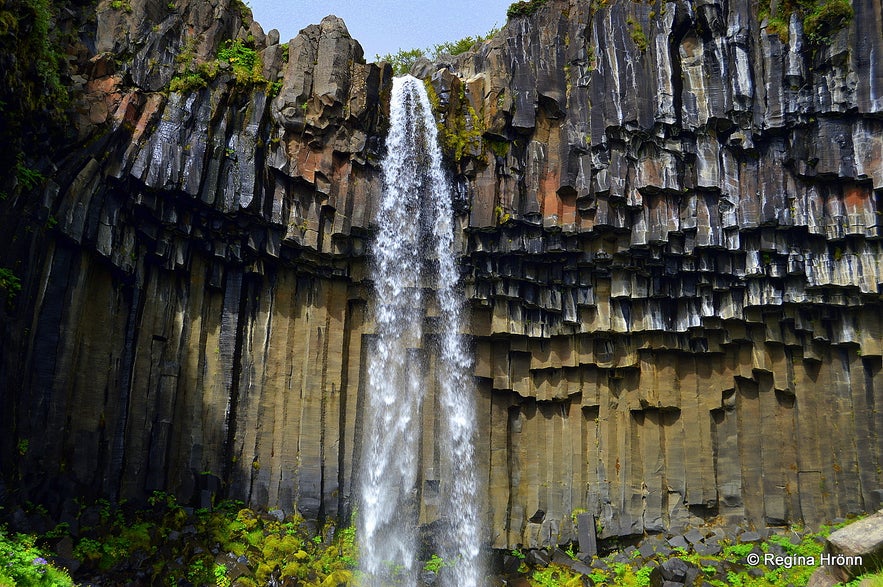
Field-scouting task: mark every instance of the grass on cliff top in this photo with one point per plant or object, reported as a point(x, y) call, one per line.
point(403, 59)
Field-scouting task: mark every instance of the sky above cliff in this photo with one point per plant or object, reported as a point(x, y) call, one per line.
point(385, 26)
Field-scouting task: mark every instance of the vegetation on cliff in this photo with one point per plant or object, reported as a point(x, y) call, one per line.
point(33, 96)
point(821, 19)
point(525, 8)
point(460, 132)
point(237, 56)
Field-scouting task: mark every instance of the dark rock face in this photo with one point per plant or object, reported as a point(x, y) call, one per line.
point(670, 241)
point(669, 260)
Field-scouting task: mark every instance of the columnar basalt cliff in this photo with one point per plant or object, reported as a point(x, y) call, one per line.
point(668, 227)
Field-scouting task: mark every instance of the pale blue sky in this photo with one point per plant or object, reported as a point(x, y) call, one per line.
point(384, 26)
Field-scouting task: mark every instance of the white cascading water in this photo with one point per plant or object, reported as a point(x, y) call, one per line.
point(413, 249)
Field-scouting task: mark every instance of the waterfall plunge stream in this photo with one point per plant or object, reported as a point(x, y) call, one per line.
point(413, 258)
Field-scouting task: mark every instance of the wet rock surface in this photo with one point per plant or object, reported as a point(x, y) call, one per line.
point(669, 239)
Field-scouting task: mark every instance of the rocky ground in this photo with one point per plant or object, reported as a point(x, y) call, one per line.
point(234, 546)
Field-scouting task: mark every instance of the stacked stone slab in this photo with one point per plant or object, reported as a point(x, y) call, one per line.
point(671, 250)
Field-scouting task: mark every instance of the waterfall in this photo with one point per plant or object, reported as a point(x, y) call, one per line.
point(413, 258)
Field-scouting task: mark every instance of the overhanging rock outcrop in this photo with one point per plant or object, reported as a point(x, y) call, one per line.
point(670, 240)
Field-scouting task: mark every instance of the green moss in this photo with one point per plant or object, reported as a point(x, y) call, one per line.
point(777, 25)
point(867, 580)
point(498, 147)
point(287, 548)
point(188, 82)
point(242, 9)
point(459, 130)
point(556, 576)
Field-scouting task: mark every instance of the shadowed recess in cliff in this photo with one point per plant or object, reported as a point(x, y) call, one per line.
point(413, 251)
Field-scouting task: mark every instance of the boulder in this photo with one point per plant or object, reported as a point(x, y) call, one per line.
point(856, 548)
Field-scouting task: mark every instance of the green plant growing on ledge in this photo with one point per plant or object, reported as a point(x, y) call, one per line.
point(435, 564)
point(636, 32)
point(776, 25)
point(242, 8)
point(123, 5)
point(12, 284)
point(244, 61)
point(27, 177)
point(526, 8)
point(821, 18)
point(825, 19)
